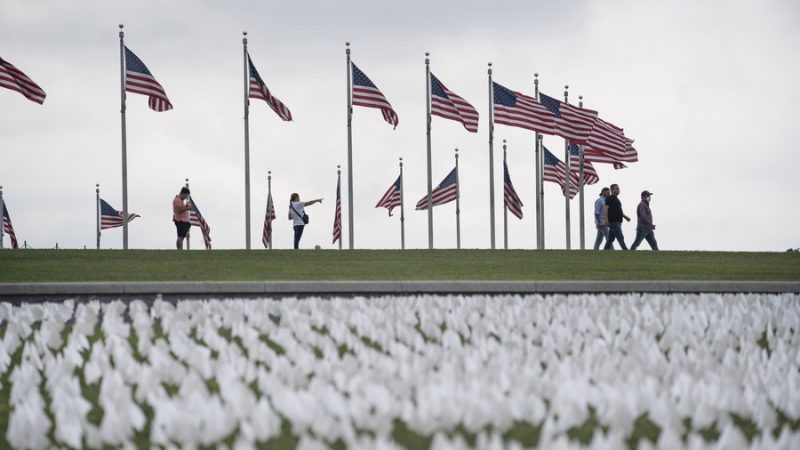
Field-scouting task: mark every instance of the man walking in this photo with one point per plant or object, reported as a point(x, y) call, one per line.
point(600, 218)
point(614, 216)
point(180, 215)
point(644, 223)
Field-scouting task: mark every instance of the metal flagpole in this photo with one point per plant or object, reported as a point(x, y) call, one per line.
point(538, 169)
point(246, 144)
point(269, 195)
point(428, 127)
point(2, 214)
point(458, 207)
point(505, 204)
point(491, 157)
point(97, 212)
point(349, 148)
point(124, 140)
point(566, 175)
point(402, 210)
point(189, 232)
point(339, 185)
point(581, 182)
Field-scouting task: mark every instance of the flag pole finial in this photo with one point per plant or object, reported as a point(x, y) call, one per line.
point(97, 187)
point(121, 33)
point(347, 47)
point(401, 161)
point(244, 37)
point(536, 79)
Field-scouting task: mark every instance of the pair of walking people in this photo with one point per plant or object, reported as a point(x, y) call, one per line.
point(608, 216)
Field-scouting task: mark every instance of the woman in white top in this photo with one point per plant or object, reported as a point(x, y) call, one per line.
point(296, 213)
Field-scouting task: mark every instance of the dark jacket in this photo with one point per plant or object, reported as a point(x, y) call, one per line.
point(644, 216)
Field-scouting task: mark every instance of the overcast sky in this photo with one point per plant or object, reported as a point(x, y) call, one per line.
point(707, 89)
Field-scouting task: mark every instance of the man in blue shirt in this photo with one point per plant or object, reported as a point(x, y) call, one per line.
point(600, 218)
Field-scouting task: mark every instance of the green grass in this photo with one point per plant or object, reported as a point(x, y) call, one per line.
point(240, 265)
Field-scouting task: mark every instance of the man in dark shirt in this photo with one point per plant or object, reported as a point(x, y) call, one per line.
point(644, 225)
point(614, 216)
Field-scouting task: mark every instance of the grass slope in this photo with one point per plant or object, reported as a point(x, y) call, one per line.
point(241, 265)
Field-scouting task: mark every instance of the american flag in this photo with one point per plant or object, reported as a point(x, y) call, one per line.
point(445, 192)
point(13, 78)
point(110, 217)
point(518, 110)
point(337, 216)
point(446, 103)
point(266, 238)
point(139, 80)
point(365, 93)
point(554, 172)
point(589, 173)
point(572, 123)
point(608, 144)
point(259, 90)
point(196, 219)
point(513, 202)
point(8, 228)
point(391, 199)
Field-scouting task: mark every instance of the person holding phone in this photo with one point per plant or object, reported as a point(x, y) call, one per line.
point(297, 214)
point(181, 205)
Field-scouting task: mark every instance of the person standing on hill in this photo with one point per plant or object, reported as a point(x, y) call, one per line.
point(180, 215)
point(297, 214)
point(644, 223)
point(614, 216)
point(600, 217)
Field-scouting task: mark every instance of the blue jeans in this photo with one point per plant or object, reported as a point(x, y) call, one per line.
point(615, 232)
point(602, 233)
point(298, 233)
point(645, 233)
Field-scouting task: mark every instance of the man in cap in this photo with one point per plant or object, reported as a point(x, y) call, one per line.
point(644, 226)
point(600, 218)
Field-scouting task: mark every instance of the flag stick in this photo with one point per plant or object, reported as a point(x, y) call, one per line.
point(458, 207)
point(339, 185)
point(269, 195)
point(402, 210)
point(428, 133)
point(539, 174)
point(349, 149)
point(189, 232)
point(505, 202)
point(566, 175)
point(2, 214)
point(124, 140)
point(97, 212)
point(246, 144)
point(491, 157)
point(581, 182)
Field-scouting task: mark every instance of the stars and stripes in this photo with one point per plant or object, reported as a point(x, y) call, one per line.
point(446, 103)
point(519, 110)
point(8, 228)
point(572, 123)
point(269, 216)
point(197, 220)
point(554, 172)
point(589, 173)
point(110, 217)
point(393, 196)
point(512, 200)
point(13, 78)
point(139, 80)
point(365, 93)
point(337, 216)
point(259, 90)
point(445, 192)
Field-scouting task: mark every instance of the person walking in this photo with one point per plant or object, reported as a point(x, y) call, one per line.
point(180, 215)
point(644, 223)
point(297, 214)
point(614, 216)
point(600, 217)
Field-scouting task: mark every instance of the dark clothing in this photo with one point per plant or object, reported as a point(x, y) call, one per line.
point(614, 209)
point(615, 232)
point(644, 216)
point(182, 227)
point(645, 233)
point(298, 233)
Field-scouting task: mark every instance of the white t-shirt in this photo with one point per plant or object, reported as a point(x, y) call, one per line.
point(297, 217)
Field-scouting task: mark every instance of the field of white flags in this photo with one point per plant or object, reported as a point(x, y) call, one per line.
point(438, 372)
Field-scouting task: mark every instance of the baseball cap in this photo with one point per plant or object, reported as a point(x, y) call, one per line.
point(646, 193)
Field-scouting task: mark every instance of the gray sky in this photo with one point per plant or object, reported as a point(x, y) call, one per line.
point(707, 89)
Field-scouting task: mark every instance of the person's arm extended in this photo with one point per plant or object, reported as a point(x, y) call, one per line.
point(311, 202)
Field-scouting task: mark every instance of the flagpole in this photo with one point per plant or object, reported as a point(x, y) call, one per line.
point(428, 128)
point(124, 140)
point(246, 144)
point(339, 185)
point(458, 207)
point(539, 169)
point(2, 215)
point(505, 203)
point(349, 149)
point(402, 210)
point(269, 195)
point(189, 231)
point(581, 182)
point(566, 175)
point(491, 157)
point(97, 212)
